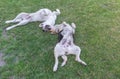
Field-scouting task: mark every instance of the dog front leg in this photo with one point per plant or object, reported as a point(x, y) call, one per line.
point(21, 23)
point(56, 63)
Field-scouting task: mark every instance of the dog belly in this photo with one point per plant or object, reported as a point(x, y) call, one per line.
point(23, 16)
point(59, 50)
point(62, 50)
point(72, 49)
point(38, 17)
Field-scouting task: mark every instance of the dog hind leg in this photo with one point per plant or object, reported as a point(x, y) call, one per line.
point(78, 57)
point(56, 63)
point(80, 61)
point(21, 23)
point(64, 60)
point(18, 18)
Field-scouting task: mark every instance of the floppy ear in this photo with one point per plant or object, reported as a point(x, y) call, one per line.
point(59, 29)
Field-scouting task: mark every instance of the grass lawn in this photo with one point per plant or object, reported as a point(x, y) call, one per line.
point(28, 52)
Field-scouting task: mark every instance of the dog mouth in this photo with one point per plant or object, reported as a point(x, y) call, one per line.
point(46, 30)
point(53, 31)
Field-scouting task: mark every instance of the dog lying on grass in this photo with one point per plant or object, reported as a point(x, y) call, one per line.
point(50, 21)
point(65, 45)
point(42, 15)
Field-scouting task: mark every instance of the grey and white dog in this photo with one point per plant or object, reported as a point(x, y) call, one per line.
point(42, 15)
point(66, 45)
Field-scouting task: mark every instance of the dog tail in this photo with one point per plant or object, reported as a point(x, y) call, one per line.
point(57, 12)
point(73, 25)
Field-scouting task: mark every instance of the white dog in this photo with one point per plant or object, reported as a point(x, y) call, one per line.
point(50, 21)
point(24, 18)
point(66, 46)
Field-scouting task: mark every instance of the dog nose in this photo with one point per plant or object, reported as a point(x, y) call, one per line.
point(44, 30)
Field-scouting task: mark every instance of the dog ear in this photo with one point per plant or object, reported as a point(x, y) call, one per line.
point(58, 30)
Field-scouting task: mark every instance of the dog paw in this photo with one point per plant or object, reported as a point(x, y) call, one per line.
point(54, 69)
point(7, 22)
point(80, 61)
point(84, 64)
point(58, 12)
point(8, 28)
point(63, 64)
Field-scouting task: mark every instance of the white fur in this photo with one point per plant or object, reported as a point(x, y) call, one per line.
point(51, 19)
point(63, 47)
point(24, 18)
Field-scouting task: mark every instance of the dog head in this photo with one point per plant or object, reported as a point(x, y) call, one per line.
point(45, 27)
point(63, 28)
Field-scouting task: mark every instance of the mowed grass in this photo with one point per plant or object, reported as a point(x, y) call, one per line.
point(28, 52)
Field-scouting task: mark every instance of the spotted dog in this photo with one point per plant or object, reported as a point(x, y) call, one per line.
point(65, 45)
point(23, 18)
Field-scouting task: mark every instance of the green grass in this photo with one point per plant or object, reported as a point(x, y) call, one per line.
point(28, 52)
